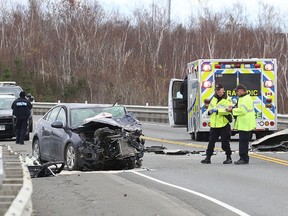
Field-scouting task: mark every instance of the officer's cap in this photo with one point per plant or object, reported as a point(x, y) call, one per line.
point(218, 86)
point(240, 86)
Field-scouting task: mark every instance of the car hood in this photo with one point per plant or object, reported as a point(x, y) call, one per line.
point(127, 122)
point(5, 112)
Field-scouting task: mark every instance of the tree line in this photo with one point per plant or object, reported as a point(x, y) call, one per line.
point(76, 52)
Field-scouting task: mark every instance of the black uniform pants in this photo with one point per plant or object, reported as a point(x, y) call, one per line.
point(21, 128)
point(225, 133)
point(244, 137)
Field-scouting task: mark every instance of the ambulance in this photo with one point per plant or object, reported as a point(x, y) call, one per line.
point(258, 75)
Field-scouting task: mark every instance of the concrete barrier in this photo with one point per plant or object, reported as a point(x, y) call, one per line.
point(16, 186)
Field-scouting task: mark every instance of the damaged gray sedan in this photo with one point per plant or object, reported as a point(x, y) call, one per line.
point(89, 136)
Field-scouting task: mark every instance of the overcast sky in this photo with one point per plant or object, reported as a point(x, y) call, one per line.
point(181, 9)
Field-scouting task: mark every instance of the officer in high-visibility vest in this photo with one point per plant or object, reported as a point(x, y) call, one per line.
point(219, 124)
point(245, 121)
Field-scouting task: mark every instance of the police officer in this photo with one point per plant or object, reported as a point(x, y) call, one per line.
point(22, 110)
point(245, 121)
point(219, 124)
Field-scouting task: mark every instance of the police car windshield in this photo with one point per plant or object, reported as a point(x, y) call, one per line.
point(12, 91)
point(5, 103)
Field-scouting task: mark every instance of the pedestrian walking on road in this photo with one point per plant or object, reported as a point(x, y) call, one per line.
point(219, 124)
point(245, 121)
point(22, 110)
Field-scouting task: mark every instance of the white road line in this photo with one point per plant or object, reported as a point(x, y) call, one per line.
point(218, 202)
point(75, 172)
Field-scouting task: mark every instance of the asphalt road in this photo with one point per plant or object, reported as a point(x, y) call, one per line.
point(169, 184)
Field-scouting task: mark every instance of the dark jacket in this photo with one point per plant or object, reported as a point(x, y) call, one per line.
point(21, 108)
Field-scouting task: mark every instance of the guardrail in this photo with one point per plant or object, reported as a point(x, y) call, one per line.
point(147, 113)
point(143, 113)
point(282, 119)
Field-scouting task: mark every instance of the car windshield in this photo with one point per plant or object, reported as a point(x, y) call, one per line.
point(78, 115)
point(12, 90)
point(5, 103)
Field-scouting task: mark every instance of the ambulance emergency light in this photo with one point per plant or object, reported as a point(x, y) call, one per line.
point(232, 65)
point(206, 67)
point(206, 84)
point(268, 84)
point(268, 67)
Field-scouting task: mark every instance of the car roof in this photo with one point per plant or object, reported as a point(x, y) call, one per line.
point(9, 85)
point(83, 105)
point(2, 83)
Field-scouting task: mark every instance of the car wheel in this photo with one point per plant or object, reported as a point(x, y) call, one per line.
point(71, 159)
point(36, 150)
point(132, 163)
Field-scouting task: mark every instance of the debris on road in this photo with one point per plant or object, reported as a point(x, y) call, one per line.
point(155, 149)
point(163, 150)
point(274, 142)
point(43, 170)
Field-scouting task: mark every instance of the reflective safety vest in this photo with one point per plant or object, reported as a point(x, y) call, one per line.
point(246, 119)
point(218, 120)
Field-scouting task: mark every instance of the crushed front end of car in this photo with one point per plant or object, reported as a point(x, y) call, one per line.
point(111, 143)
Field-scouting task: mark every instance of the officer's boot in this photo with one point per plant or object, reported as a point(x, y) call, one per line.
point(228, 160)
point(206, 160)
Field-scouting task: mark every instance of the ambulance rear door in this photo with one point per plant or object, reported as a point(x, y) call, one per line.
point(176, 105)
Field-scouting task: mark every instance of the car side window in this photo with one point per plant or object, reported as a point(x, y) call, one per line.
point(53, 114)
point(62, 116)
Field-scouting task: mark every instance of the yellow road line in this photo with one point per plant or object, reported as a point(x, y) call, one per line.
point(174, 142)
point(270, 159)
point(254, 155)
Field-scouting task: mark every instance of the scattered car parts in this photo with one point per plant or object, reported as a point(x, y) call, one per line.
point(43, 170)
point(274, 142)
point(163, 150)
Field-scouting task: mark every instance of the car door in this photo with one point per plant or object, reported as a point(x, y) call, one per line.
point(176, 106)
point(46, 142)
point(59, 136)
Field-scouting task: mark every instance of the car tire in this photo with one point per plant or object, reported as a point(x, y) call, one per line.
point(131, 163)
point(36, 150)
point(71, 157)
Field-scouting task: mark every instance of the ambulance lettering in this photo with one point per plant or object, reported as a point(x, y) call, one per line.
point(251, 92)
